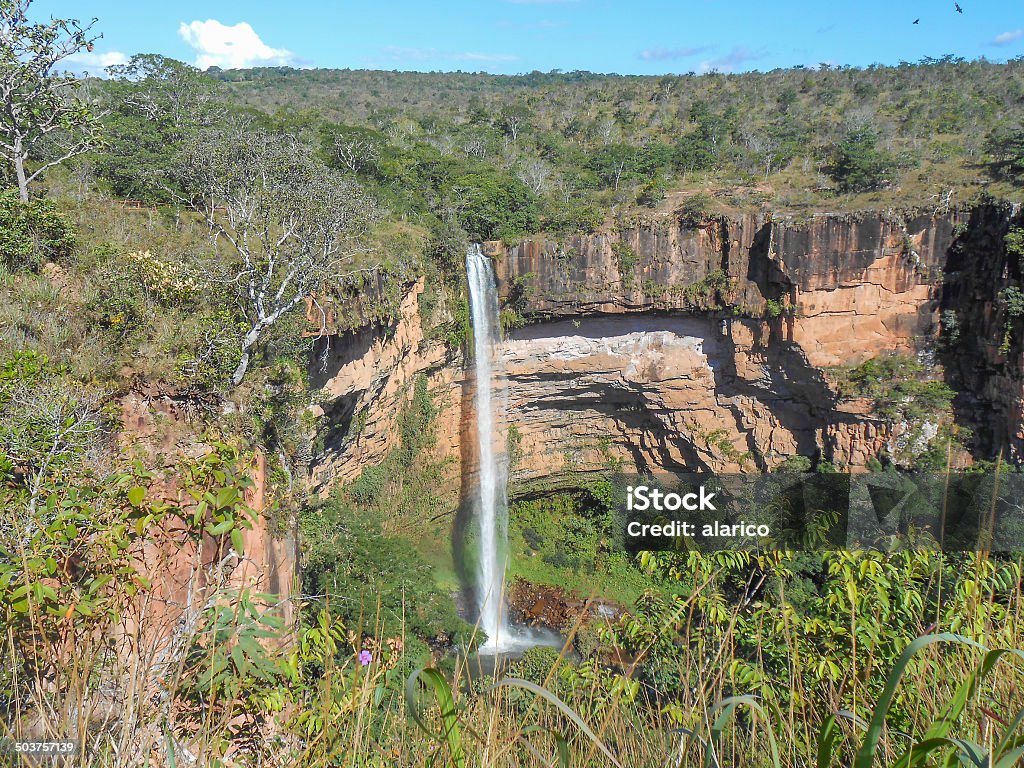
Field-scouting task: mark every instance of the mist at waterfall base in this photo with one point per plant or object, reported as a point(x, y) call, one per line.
point(490, 502)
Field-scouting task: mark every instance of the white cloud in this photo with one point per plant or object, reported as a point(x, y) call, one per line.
point(95, 62)
point(235, 47)
point(730, 61)
point(666, 54)
point(397, 53)
point(1008, 37)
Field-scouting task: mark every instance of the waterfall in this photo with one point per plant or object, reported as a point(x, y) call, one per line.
point(491, 502)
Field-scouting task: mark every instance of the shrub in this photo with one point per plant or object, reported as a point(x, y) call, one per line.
point(857, 163)
point(694, 211)
point(167, 281)
point(564, 217)
point(1015, 241)
point(495, 206)
point(536, 664)
point(32, 232)
point(652, 193)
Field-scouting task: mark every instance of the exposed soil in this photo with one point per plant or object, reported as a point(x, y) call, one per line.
point(542, 605)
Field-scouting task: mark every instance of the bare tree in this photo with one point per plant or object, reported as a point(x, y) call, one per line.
point(44, 426)
point(38, 106)
point(354, 152)
point(513, 119)
point(606, 130)
point(292, 224)
point(534, 173)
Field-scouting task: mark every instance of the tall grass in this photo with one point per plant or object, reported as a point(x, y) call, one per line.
point(231, 685)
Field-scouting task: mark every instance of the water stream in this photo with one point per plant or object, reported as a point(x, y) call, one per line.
point(505, 641)
point(491, 501)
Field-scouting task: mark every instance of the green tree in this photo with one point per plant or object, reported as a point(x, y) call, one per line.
point(32, 231)
point(42, 121)
point(1006, 148)
point(858, 165)
point(614, 163)
point(154, 104)
point(493, 205)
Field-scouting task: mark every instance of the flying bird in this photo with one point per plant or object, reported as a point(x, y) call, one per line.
point(958, 8)
point(917, 21)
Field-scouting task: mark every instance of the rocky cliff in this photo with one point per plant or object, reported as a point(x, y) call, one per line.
point(668, 345)
point(843, 287)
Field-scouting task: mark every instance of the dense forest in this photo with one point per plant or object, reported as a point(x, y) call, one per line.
point(183, 243)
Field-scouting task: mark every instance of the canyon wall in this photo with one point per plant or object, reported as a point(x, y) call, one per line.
point(844, 287)
point(665, 345)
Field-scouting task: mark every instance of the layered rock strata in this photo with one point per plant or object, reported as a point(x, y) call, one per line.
point(664, 345)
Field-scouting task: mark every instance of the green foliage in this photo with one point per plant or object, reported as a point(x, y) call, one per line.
point(626, 260)
point(47, 421)
point(701, 149)
point(858, 165)
point(569, 540)
point(228, 657)
point(896, 385)
point(696, 209)
point(537, 664)
point(155, 104)
point(494, 206)
point(1006, 150)
point(794, 464)
point(357, 562)
point(510, 319)
point(710, 292)
point(416, 424)
point(69, 540)
point(119, 307)
point(513, 445)
point(1012, 299)
point(361, 569)
point(459, 330)
point(818, 617)
point(563, 217)
point(1015, 241)
point(31, 233)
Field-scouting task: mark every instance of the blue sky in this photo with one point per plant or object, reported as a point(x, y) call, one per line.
point(511, 36)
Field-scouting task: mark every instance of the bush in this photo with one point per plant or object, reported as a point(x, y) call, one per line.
point(858, 165)
point(356, 565)
point(31, 233)
point(495, 206)
point(536, 664)
point(694, 211)
point(652, 193)
point(568, 217)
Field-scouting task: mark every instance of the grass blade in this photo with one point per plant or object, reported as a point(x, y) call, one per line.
point(866, 754)
point(560, 742)
point(970, 754)
point(451, 735)
point(515, 682)
point(726, 710)
point(1010, 759)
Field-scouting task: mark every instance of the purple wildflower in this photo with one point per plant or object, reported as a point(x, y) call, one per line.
point(365, 657)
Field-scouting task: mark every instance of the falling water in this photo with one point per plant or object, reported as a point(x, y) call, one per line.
point(491, 501)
